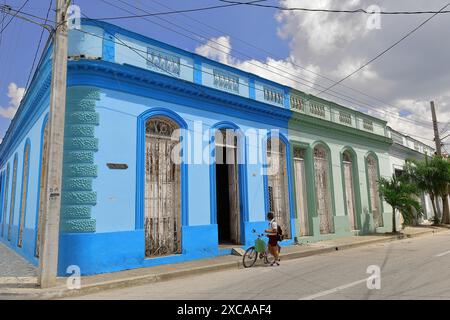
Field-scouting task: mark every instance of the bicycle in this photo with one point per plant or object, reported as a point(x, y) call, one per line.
point(259, 249)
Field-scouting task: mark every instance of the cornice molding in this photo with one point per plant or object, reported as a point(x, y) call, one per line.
point(303, 119)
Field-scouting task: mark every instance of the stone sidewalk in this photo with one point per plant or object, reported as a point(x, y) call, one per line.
point(19, 278)
point(15, 271)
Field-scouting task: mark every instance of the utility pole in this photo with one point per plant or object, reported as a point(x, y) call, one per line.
point(48, 261)
point(437, 140)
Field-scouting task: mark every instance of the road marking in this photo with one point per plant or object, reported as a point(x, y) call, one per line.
point(328, 292)
point(442, 254)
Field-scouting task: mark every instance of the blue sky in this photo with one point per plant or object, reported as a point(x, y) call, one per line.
point(21, 38)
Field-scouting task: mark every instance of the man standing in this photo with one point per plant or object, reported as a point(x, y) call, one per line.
point(272, 233)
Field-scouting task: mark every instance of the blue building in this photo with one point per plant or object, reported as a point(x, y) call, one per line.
point(167, 156)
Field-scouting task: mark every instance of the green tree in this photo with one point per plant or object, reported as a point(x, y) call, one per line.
point(400, 193)
point(432, 176)
point(441, 166)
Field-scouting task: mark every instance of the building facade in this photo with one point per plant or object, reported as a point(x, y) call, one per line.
point(170, 157)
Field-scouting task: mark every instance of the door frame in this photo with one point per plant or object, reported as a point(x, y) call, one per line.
point(242, 175)
point(330, 180)
point(356, 186)
point(379, 198)
point(289, 169)
point(140, 164)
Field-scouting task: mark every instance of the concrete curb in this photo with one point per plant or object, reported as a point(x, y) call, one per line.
point(63, 292)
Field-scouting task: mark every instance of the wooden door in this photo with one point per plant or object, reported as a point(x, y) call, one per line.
point(323, 192)
point(373, 191)
point(300, 188)
point(278, 185)
point(350, 194)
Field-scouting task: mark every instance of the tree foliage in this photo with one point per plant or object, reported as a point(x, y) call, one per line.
point(432, 176)
point(402, 195)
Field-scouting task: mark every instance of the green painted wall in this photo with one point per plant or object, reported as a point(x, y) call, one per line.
point(307, 132)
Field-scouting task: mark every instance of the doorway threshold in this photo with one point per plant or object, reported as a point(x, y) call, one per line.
point(227, 248)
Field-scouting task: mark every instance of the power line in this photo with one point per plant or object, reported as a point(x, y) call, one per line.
point(6, 9)
point(6, 26)
point(177, 11)
point(292, 62)
point(360, 10)
point(382, 112)
point(2, 24)
point(385, 51)
point(403, 119)
point(38, 47)
point(283, 74)
point(133, 49)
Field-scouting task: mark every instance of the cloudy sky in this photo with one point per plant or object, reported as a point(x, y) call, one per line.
point(301, 49)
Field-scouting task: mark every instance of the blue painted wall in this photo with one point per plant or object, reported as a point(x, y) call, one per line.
point(122, 245)
point(29, 233)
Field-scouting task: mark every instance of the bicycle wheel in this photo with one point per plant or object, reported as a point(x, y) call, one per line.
point(250, 257)
point(268, 258)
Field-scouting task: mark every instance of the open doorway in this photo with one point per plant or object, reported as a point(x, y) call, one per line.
point(227, 187)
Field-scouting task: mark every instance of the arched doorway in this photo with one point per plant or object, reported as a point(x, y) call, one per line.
point(374, 196)
point(227, 188)
point(162, 185)
point(349, 188)
point(323, 189)
point(278, 189)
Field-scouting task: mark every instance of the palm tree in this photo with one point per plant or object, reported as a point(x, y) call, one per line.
point(424, 175)
point(441, 167)
point(399, 192)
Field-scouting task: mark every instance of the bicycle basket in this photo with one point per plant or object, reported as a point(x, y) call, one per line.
point(260, 245)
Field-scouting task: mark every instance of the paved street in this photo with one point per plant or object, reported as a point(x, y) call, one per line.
point(410, 269)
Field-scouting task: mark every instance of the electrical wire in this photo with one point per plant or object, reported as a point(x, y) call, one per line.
point(283, 74)
point(38, 47)
point(177, 11)
point(383, 112)
point(131, 47)
point(360, 10)
point(6, 26)
point(384, 51)
point(292, 62)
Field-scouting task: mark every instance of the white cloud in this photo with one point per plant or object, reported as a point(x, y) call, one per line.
point(281, 71)
point(217, 48)
point(15, 94)
point(403, 81)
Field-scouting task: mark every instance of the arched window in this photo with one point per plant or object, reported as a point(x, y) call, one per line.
point(278, 184)
point(162, 204)
point(42, 191)
point(349, 184)
point(323, 190)
point(23, 204)
point(5, 199)
point(374, 196)
point(13, 198)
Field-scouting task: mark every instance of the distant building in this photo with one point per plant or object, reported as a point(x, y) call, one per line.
point(136, 191)
point(406, 148)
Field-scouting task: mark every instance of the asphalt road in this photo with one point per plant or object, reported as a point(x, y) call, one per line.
point(416, 268)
